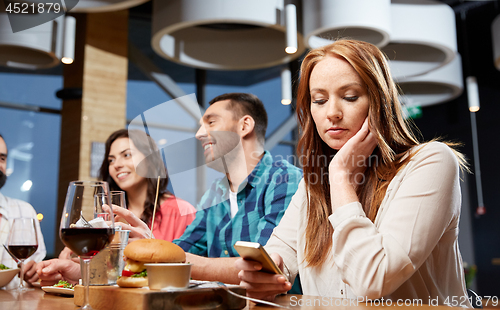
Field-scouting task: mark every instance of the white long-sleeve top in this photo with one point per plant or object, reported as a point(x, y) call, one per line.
point(411, 249)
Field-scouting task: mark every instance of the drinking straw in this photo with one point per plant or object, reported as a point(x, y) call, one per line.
point(154, 210)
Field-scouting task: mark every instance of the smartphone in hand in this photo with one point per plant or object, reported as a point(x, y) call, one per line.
point(255, 251)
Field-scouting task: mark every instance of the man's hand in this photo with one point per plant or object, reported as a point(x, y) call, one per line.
point(51, 271)
point(30, 274)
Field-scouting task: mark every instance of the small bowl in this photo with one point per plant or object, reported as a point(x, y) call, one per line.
point(168, 275)
point(7, 275)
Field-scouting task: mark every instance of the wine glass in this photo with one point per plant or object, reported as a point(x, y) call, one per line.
point(23, 242)
point(84, 228)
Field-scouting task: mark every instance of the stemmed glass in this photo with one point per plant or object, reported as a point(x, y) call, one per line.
point(84, 228)
point(23, 242)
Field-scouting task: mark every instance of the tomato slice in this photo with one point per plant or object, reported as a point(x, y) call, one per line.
point(126, 273)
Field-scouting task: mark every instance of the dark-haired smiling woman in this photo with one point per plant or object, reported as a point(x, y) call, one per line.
point(378, 217)
point(124, 150)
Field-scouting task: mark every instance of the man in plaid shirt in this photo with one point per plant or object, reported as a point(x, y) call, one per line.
point(250, 200)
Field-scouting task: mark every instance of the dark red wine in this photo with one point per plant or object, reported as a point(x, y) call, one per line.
point(23, 251)
point(87, 241)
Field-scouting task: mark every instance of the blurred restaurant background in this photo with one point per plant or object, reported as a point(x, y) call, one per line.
point(68, 82)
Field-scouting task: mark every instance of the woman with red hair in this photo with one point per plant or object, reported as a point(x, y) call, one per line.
point(376, 214)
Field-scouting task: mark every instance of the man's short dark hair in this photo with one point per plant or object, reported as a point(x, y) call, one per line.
point(247, 104)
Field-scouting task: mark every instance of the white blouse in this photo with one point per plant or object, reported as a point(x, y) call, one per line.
point(409, 252)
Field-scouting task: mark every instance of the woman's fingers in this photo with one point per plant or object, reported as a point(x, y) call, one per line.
point(361, 145)
point(128, 216)
point(278, 260)
point(262, 278)
point(136, 233)
point(138, 229)
point(259, 284)
point(265, 291)
point(244, 264)
point(371, 140)
point(268, 289)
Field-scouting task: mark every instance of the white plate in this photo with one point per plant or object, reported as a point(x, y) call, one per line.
point(7, 275)
point(58, 290)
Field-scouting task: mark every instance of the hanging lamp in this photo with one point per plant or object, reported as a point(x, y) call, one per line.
point(365, 20)
point(423, 37)
point(223, 34)
point(438, 86)
point(38, 47)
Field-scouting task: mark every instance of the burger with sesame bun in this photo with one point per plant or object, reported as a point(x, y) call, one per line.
point(145, 251)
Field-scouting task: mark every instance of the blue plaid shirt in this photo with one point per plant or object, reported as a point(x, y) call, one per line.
point(262, 201)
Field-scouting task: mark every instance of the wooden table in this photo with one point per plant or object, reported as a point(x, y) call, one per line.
point(39, 300)
point(36, 299)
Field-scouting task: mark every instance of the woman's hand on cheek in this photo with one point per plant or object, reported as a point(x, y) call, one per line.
point(352, 159)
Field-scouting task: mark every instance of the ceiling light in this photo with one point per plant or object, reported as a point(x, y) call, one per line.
point(291, 29)
point(286, 86)
point(472, 93)
point(69, 39)
point(224, 34)
point(423, 37)
point(365, 20)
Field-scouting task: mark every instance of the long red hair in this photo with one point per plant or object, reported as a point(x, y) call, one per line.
point(394, 135)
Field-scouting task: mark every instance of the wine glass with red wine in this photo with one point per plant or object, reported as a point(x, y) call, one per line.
point(83, 228)
point(23, 242)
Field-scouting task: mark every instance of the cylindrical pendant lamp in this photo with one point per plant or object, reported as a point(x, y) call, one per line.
point(438, 86)
point(286, 86)
point(69, 39)
point(365, 20)
point(34, 48)
point(423, 37)
point(291, 29)
point(222, 34)
point(473, 94)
